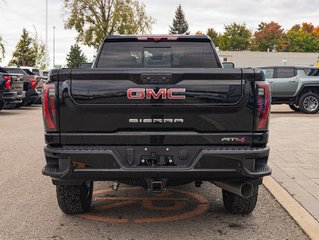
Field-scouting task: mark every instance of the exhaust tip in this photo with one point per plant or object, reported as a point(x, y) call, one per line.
point(247, 190)
point(243, 189)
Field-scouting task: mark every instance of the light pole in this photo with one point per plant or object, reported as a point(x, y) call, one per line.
point(53, 46)
point(46, 33)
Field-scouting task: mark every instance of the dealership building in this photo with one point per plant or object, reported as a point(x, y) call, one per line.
point(260, 59)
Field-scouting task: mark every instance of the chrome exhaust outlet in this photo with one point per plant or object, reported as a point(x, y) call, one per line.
point(243, 189)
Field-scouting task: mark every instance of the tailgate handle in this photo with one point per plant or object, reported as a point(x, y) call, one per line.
point(156, 78)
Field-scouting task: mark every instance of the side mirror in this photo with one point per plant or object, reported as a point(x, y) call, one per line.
point(228, 65)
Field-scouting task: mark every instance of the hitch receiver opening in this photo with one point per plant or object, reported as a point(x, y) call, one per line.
point(156, 185)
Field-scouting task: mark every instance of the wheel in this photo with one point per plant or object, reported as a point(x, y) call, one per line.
point(238, 205)
point(75, 199)
point(19, 105)
point(294, 107)
point(28, 104)
point(9, 105)
point(309, 103)
point(1, 105)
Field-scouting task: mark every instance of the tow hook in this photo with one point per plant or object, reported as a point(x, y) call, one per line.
point(156, 185)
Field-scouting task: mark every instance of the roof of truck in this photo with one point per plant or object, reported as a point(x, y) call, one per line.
point(298, 67)
point(158, 37)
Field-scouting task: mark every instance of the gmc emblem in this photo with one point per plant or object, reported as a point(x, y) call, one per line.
point(163, 93)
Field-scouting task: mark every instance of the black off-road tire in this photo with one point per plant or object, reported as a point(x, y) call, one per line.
point(235, 204)
point(9, 106)
point(294, 107)
point(75, 199)
point(19, 105)
point(314, 97)
point(1, 105)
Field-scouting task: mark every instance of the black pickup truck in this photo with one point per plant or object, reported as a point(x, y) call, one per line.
point(30, 85)
point(156, 111)
point(11, 88)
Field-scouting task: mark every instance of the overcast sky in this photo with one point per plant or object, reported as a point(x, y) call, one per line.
point(201, 14)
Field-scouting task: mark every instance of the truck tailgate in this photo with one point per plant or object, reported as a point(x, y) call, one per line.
point(17, 83)
point(135, 106)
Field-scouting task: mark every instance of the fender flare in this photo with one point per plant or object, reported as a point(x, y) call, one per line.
point(314, 85)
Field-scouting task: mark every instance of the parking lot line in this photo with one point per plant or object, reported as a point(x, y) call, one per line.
point(302, 217)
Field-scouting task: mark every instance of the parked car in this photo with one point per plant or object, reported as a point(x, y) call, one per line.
point(296, 86)
point(156, 111)
point(85, 65)
point(44, 74)
point(11, 88)
point(30, 84)
point(228, 65)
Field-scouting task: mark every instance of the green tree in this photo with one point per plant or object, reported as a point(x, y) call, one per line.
point(75, 57)
point(268, 37)
point(2, 49)
point(40, 54)
point(301, 41)
point(96, 19)
point(214, 36)
point(39, 49)
point(180, 25)
point(30, 51)
point(235, 38)
point(24, 54)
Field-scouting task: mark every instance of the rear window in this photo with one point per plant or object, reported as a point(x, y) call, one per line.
point(157, 55)
point(36, 72)
point(45, 73)
point(312, 72)
point(269, 72)
point(16, 70)
point(28, 72)
point(285, 72)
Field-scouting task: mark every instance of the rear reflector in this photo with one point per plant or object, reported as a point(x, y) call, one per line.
point(48, 105)
point(263, 104)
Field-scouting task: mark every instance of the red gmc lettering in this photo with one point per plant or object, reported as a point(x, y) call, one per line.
point(171, 92)
point(136, 93)
point(163, 93)
point(151, 93)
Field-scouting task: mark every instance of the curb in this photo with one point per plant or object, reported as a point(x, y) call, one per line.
point(303, 218)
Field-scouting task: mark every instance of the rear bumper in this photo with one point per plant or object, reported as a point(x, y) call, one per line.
point(103, 163)
point(13, 97)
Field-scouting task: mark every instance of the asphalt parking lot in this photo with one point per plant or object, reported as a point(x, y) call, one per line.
point(29, 208)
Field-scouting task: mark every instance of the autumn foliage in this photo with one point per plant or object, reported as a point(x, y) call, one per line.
point(270, 36)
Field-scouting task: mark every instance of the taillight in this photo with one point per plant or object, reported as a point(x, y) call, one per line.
point(48, 105)
point(33, 85)
point(8, 81)
point(33, 81)
point(263, 105)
